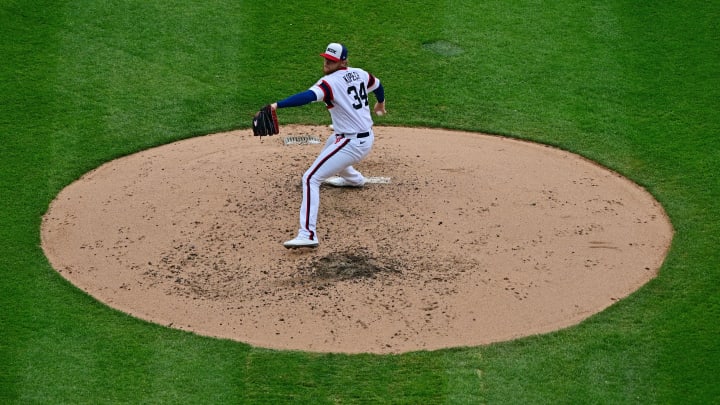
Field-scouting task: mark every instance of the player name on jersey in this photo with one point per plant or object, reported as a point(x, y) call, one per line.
point(351, 77)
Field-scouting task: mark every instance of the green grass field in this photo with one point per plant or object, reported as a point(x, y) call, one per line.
point(634, 86)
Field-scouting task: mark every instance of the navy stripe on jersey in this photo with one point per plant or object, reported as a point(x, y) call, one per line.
point(327, 94)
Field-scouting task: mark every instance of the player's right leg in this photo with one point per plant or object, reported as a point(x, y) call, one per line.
point(347, 177)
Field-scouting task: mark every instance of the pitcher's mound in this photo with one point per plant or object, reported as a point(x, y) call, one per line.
point(473, 239)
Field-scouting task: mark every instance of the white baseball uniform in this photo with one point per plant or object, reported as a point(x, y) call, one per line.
point(345, 93)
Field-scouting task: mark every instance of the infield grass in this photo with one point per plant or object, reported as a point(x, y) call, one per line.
point(632, 85)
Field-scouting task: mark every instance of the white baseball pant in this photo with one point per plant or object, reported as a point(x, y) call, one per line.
point(337, 157)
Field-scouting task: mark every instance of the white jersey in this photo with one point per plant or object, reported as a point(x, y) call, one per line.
point(345, 93)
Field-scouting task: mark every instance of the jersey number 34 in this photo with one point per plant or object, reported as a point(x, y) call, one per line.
point(361, 96)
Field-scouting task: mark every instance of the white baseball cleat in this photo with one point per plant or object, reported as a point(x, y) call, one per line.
point(300, 242)
point(337, 181)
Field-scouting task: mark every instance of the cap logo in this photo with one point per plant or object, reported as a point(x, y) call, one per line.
point(335, 52)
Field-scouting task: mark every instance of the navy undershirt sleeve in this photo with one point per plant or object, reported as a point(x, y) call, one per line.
point(306, 97)
point(379, 93)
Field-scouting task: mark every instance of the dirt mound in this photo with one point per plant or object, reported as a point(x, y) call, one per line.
point(474, 239)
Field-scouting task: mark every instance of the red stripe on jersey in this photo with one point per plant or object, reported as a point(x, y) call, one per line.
point(371, 81)
point(327, 94)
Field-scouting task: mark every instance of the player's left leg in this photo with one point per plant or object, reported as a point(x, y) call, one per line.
point(337, 156)
point(330, 161)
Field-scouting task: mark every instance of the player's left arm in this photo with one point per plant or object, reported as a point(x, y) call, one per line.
point(296, 100)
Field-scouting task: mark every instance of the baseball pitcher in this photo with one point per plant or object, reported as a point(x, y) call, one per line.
point(345, 91)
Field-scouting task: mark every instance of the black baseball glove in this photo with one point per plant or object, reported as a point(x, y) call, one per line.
point(265, 122)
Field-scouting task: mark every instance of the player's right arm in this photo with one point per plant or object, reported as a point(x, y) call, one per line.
point(379, 93)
